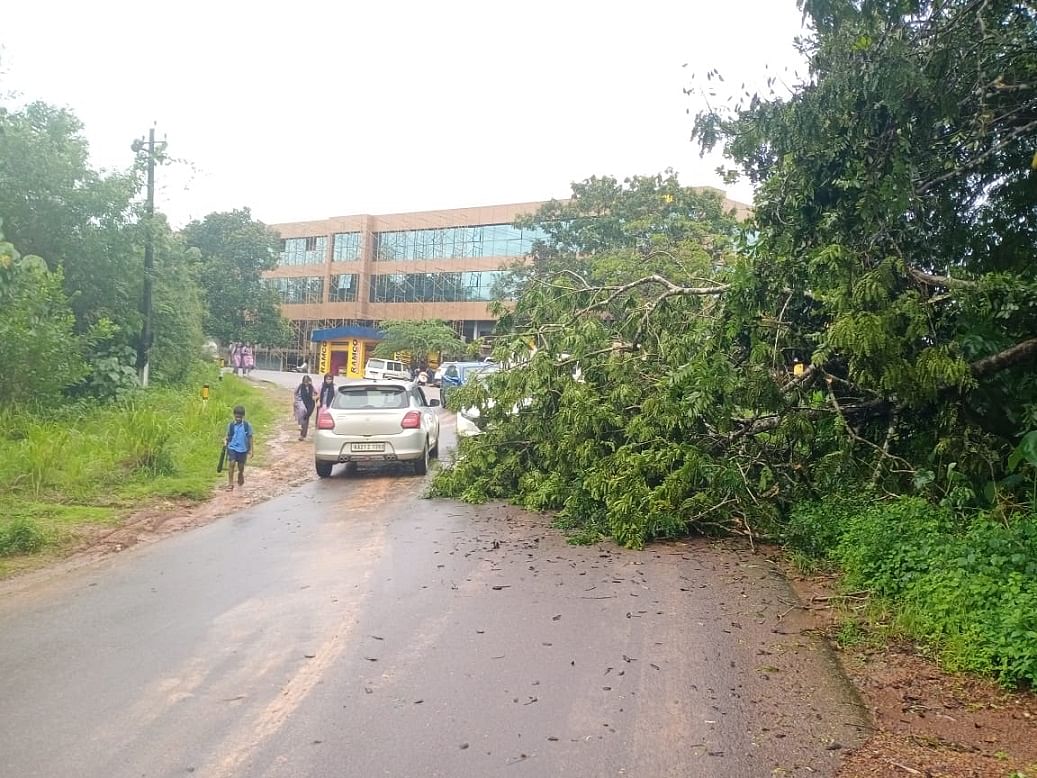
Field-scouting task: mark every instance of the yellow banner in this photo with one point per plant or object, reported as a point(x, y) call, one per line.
point(355, 365)
point(325, 358)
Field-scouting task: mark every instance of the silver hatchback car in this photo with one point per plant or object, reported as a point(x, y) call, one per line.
point(377, 421)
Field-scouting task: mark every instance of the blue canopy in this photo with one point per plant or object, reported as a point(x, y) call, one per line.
point(346, 333)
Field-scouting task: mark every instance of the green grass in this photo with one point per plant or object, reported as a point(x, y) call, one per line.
point(67, 465)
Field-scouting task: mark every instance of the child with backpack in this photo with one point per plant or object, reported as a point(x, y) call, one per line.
point(239, 447)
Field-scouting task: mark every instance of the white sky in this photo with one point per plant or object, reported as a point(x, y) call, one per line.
point(310, 109)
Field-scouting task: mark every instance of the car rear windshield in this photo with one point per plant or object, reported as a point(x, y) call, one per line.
point(370, 398)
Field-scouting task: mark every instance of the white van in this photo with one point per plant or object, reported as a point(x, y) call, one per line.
point(385, 368)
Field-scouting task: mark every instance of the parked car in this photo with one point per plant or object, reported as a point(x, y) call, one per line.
point(377, 421)
point(469, 419)
point(376, 369)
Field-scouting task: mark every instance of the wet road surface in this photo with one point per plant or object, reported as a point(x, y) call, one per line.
point(351, 628)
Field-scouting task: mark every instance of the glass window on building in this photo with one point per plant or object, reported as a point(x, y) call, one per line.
point(314, 289)
point(344, 288)
point(303, 251)
point(298, 291)
point(437, 287)
point(488, 240)
point(346, 246)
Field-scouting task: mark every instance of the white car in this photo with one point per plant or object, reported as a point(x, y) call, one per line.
point(468, 418)
point(468, 421)
point(377, 421)
point(385, 368)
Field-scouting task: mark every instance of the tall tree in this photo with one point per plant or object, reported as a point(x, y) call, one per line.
point(87, 224)
point(57, 207)
point(235, 250)
point(640, 214)
point(897, 224)
point(179, 310)
point(877, 329)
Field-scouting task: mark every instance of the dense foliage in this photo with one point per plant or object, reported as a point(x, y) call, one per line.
point(90, 226)
point(235, 250)
point(855, 376)
point(890, 254)
point(965, 585)
point(419, 338)
point(36, 329)
point(616, 379)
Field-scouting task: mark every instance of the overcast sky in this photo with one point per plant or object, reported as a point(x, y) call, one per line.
point(306, 110)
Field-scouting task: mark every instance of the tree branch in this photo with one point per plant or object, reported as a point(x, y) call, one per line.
point(977, 161)
point(1010, 357)
point(930, 280)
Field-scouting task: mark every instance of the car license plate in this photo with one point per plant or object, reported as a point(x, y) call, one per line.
point(368, 447)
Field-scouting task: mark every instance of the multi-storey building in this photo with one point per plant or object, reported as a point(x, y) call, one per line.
point(338, 278)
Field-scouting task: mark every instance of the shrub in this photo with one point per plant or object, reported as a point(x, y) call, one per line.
point(886, 547)
point(815, 528)
point(21, 536)
point(969, 590)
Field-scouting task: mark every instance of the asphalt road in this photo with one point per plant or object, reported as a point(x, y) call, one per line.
point(352, 628)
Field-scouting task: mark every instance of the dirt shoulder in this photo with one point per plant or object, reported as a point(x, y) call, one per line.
point(926, 722)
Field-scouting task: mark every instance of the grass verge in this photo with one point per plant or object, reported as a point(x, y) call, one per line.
point(69, 466)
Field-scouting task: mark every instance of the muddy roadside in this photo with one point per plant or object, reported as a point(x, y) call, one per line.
point(926, 722)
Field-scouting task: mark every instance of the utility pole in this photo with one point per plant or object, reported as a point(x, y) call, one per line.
point(146, 334)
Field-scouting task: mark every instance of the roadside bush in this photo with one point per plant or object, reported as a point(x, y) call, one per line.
point(966, 589)
point(814, 529)
point(21, 536)
point(979, 601)
point(888, 546)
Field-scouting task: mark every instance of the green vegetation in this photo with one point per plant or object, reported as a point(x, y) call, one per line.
point(234, 250)
point(36, 328)
point(80, 442)
point(851, 371)
point(67, 464)
point(88, 227)
point(419, 338)
point(965, 585)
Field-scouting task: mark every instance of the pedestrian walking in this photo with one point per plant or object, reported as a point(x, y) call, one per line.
point(248, 359)
point(239, 447)
point(235, 357)
point(327, 391)
point(305, 399)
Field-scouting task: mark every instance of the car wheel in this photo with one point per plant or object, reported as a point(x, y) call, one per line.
point(324, 468)
point(434, 451)
point(421, 465)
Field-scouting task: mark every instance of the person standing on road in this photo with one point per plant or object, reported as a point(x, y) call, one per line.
point(305, 399)
point(327, 391)
point(235, 356)
point(239, 447)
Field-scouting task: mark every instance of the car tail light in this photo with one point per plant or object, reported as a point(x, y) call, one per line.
point(411, 420)
point(325, 421)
